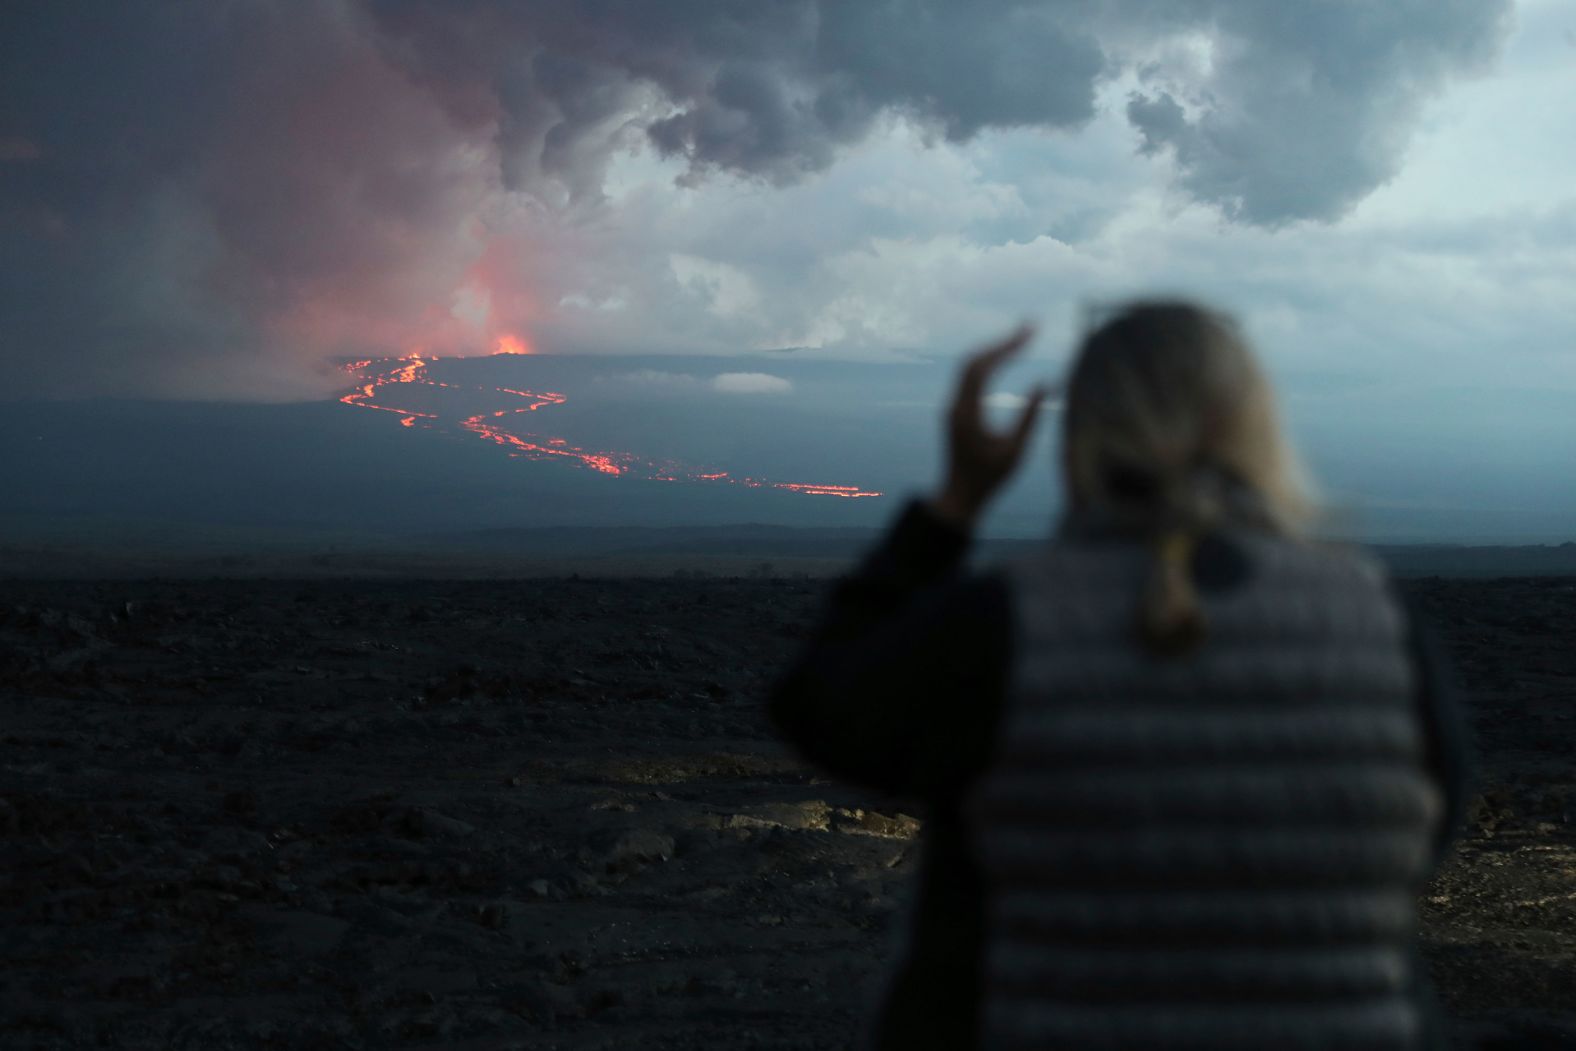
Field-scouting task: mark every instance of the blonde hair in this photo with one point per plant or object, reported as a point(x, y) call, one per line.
point(1170, 429)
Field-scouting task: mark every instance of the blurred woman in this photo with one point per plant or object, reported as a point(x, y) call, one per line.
point(1184, 769)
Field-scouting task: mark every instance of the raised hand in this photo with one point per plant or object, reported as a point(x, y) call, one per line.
point(980, 460)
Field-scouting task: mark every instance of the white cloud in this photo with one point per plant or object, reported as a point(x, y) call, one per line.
point(750, 383)
point(1009, 402)
point(1005, 400)
point(651, 382)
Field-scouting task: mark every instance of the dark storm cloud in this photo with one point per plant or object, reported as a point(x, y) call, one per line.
point(1299, 109)
point(218, 196)
point(1304, 108)
point(956, 68)
point(759, 88)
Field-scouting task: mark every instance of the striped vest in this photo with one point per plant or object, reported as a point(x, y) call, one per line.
point(1214, 852)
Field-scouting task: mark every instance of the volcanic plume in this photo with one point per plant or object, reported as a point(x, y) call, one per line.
point(214, 200)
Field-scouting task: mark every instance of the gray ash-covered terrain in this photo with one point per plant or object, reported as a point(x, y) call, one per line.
point(550, 814)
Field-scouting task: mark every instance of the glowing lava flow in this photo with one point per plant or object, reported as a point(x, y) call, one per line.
point(376, 375)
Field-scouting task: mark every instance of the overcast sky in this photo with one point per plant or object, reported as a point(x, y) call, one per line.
point(222, 200)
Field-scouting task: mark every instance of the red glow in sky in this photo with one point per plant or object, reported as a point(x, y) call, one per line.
point(508, 344)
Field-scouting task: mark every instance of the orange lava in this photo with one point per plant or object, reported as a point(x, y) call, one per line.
point(850, 491)
point(378, 374)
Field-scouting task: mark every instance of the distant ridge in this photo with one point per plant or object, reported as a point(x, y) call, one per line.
point(745, 539)
point(1446, 560)
point(746, 549)
point(756, 540)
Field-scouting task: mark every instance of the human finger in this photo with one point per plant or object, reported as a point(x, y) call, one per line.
point(993, 353)
point(985, 361)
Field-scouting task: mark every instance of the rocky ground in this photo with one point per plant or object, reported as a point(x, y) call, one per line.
point(549, 814)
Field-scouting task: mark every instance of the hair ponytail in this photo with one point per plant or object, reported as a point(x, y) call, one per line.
point(1171, 621)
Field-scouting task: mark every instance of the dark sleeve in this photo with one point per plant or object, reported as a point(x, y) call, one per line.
point(1448, 737)
point(901, 683)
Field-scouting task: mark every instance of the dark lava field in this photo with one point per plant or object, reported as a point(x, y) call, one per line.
point(550, 814)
